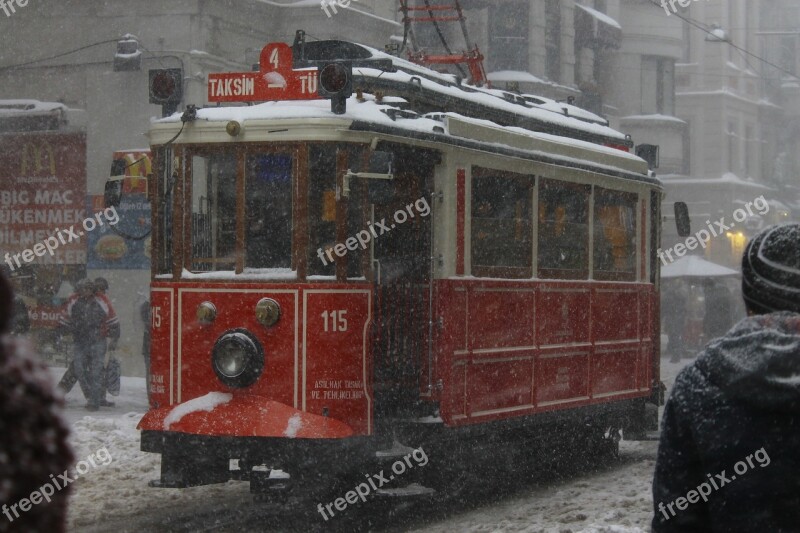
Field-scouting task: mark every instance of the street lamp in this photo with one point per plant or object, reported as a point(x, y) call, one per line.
point(717, 35)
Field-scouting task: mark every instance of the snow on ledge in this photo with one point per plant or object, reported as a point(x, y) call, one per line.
point(655, 118)
point(204, 403)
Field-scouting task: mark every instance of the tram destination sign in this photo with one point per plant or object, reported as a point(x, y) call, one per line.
point(275, 80)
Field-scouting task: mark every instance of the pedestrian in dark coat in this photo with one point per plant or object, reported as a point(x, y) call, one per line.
point(728, 457)
point(20, 321)
point(91, 320)
point(33, 437)
point(719, 306)
point(673, 309)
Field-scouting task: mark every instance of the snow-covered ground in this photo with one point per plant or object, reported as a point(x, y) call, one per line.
point(117, 498)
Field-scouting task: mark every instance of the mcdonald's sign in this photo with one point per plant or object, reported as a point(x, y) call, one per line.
point(37, 157)
point(138, 168)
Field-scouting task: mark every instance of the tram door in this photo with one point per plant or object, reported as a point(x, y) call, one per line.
point(402, 274)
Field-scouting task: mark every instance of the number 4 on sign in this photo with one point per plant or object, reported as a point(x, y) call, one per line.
point(338, 320)
point(273, 58)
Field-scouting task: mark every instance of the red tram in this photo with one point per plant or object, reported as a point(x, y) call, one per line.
point(417, 261)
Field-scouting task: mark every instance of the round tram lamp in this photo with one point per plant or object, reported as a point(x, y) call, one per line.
point(333, 77)
point(206, 313)
point(268, 312)
point(336, 83)
point(163, 86)
point(237, 358)
point(166, 88)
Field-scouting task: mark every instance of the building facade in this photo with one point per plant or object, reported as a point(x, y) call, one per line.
point(734, 112)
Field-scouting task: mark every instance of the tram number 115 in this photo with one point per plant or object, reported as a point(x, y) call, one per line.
point(335, 321)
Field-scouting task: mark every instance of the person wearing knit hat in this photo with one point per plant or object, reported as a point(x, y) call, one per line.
point(727, 458)
point(771, 270)
point(33, 436)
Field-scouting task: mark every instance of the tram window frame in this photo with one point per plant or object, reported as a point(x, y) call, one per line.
point(162, 200)
point(332, 221)
point(501, 242)
point(603, 198)
point(568, 191)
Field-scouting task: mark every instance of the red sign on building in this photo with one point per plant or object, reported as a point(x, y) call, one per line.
point(42, 191)
point(275, 80)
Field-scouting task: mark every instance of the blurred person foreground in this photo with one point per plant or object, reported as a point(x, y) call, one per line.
point(33, 436)
point(741, 394)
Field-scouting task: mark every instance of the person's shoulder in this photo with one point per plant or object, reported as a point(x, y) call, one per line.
point(692, 383)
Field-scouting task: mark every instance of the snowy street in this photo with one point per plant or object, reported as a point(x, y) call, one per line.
point(616, 498)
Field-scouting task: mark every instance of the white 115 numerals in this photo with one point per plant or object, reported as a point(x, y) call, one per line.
point(335, 321)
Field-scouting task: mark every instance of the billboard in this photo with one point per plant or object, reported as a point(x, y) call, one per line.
point(42, 192)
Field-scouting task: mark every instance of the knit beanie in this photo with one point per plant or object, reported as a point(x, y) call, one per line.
point(771, 270)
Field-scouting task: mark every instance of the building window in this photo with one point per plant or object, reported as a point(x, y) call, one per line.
point(788, 53)
point(687, 148)
point(750, 144)
point(552, 39)
point(658, 85)
point(733, 139)
point(502, 224)
point(508, 30)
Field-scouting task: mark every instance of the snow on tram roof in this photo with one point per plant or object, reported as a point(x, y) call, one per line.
point(536, 113)
point(370, 111)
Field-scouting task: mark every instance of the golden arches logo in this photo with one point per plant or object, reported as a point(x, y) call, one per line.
point(138, 165)
point(139, 169)
point(32, 158)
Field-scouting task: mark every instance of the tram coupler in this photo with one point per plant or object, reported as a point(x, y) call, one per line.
point(270, 485)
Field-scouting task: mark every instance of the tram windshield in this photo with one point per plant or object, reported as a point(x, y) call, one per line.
point(267, 209)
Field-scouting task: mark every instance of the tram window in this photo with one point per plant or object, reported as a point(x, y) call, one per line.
point(321, 208)
point(213, 212)
point(501, 224)
point(614, 235)
point(563, 230)
point(268, 210)
point(168, 175)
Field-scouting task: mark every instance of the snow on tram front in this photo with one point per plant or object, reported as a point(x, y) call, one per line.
point(351, 271)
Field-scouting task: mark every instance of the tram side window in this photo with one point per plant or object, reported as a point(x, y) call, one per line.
point(213, 220)
point(501, 224)
point(563, 230)
point(268, 210)
point(614, 235)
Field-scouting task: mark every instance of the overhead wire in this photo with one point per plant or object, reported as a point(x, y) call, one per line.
point(742, 50)
point(56, 56)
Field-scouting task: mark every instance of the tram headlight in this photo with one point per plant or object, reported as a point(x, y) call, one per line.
point(206, 313)
point(268, 312)
point(237, 358)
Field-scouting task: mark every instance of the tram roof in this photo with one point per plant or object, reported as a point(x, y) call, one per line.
point(370, 114)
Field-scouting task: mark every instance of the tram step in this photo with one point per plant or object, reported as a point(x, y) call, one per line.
point(413, 490)
point(396, 451)
point(264, 479)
